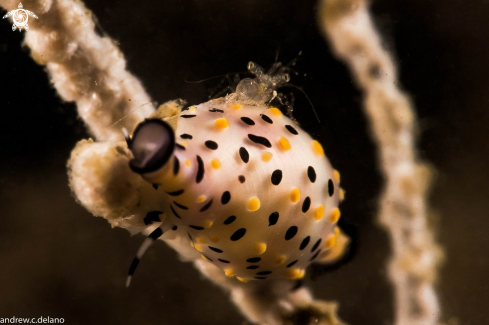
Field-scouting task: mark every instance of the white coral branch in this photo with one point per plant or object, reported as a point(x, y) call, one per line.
point(85, 67)
point(403, 207)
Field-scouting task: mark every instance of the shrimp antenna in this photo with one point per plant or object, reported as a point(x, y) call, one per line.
point(277, 52)
point(125, 116)
point(98, 27)
point(294, 60)
point(307, 97)
point(207, 79)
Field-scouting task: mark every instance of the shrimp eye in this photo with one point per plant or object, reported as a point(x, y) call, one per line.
point(152, 145)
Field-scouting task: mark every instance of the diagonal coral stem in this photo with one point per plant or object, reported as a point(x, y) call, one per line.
point(404, 211)
point(84, 67)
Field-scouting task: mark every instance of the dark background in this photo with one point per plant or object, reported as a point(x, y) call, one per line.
point(59, 261)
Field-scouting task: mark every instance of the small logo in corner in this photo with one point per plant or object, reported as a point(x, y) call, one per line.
point(20, 17)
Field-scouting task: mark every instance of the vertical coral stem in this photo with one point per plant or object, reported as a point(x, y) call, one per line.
point(403, 207)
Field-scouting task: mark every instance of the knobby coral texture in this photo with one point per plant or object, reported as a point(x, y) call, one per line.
point(90, 70)
point(404, 209)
